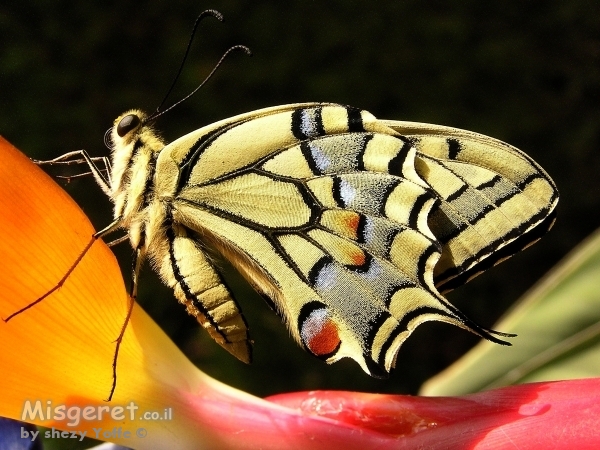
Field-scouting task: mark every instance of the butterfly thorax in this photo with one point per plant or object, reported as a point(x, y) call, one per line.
point(135, 149)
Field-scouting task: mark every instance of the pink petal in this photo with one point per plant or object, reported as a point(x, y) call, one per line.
point(551, 415)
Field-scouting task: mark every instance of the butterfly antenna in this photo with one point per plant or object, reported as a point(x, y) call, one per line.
point(209, 12)
point(230, 50)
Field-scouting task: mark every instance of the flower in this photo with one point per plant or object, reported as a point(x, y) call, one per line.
point(56, 363)
point(557, 415)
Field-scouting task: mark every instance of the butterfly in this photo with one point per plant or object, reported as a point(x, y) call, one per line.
point(351, 227)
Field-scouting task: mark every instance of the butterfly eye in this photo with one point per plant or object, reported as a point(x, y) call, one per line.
point(127, 124)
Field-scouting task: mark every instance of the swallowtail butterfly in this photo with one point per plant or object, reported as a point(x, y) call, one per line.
point(352, 227)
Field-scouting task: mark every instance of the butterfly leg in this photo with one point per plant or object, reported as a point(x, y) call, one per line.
point(136, 266)
point(102, 176)
point(109, 229)
point(200, 288)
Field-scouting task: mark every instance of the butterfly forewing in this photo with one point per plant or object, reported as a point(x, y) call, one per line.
point(494, 199)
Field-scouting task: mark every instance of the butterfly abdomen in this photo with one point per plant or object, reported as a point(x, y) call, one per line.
point(196, 284)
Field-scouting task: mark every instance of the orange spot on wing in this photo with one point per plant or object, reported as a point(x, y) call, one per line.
point(358, 258)
point(320, 333)
point(351, 221)
point(326, 340)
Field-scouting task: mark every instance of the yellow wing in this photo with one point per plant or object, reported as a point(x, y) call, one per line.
point(331, 214)
point(494, 199)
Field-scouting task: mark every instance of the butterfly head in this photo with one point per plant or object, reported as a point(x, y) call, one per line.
point(134, 145)
point(131, 130)
point(125, 129)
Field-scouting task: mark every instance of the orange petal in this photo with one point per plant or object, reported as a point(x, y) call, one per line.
point(61, 350)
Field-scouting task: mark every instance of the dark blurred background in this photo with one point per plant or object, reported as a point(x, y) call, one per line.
point(524, 72)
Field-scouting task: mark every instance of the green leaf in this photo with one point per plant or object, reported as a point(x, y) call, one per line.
point(558, 328)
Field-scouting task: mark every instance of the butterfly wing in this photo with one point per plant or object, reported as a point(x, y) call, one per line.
point(494, 200)
point(322, 209)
